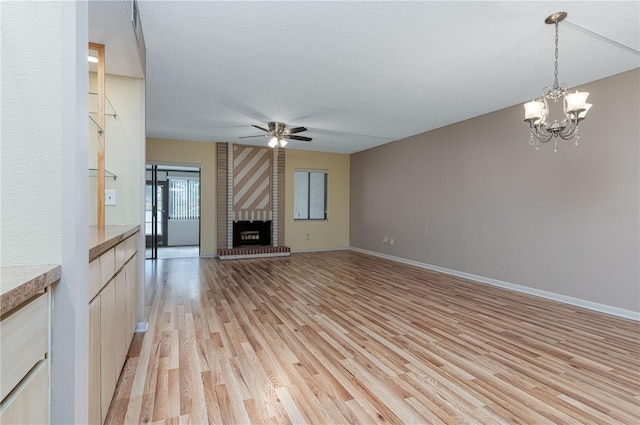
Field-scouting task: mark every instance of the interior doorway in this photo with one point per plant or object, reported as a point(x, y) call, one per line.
point(172, 211)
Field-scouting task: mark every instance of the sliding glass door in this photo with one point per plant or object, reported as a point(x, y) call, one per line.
point(155, 213)
point(172, 212)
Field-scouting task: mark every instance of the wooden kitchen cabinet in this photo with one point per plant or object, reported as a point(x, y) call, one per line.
point(25, 317)
point(112, 320)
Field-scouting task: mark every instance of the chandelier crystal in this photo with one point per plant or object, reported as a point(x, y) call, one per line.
point(575, 106)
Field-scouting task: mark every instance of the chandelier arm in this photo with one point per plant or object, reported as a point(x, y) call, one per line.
point(541, 133)
point(569, 131)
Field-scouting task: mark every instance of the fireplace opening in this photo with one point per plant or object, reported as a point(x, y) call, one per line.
point(251, 233)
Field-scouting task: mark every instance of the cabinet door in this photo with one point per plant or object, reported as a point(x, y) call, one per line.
point(132, 304)
point(29, 404)
point(94, 362)
point(121, 321)
point(23, 342)
point(108, 346)
point(127, 309)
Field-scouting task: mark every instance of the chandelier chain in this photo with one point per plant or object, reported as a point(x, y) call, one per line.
point(555, 63)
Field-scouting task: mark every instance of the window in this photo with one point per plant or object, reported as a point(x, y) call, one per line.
point(184, 198)
point(310, 195)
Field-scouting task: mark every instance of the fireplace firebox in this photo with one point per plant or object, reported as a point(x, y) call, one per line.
point(251, 233)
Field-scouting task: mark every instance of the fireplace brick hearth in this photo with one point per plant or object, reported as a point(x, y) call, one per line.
point(257, 252)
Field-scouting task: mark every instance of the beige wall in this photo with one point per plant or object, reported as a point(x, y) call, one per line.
point(474, 197)
point(123, 150)
point(185, 152)
point(334, 232)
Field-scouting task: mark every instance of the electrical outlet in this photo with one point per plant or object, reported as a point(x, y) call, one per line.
point(385, 240)
point(308, 237)
point(110, 197)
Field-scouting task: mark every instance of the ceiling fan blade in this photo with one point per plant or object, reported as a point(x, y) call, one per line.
point(247, 137)
point(261, 128)
point(295, 130)
point(304, 139)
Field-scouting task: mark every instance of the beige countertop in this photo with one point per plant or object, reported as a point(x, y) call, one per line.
point(100, 242)
point(20, 283)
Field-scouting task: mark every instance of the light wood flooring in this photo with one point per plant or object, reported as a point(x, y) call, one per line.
point(342, 337)
point(175, 252)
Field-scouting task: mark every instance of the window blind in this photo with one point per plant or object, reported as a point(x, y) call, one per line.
point(310, 195)
point(184, 198)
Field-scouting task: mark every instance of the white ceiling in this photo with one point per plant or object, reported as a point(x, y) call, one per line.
point(110, 24)
point(361, 74)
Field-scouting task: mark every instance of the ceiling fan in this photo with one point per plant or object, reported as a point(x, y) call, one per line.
point(279, 132)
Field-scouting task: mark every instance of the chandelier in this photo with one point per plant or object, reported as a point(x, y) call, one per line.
point(574, 106)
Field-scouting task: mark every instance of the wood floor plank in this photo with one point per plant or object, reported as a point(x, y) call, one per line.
point(213, 409)
point(343, 337)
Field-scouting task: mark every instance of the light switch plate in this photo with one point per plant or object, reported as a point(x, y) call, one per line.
point(110, 197)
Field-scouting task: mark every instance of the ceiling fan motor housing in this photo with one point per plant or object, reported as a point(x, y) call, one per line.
point(276, 128)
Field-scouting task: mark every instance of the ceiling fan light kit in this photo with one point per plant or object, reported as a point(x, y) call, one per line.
point(275, 141)
point(575, 105)
point(280, 133)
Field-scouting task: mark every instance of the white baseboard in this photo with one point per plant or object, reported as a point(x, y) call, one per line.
point(590, 305)
point(342, 248)
point(142, 327)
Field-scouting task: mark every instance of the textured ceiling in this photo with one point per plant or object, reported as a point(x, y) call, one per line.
point(109, 24)
point(361, 74)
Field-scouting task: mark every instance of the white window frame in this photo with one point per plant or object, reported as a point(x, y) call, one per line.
point(306, 213)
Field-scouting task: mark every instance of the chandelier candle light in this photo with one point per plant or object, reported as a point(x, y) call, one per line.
point(575, 106)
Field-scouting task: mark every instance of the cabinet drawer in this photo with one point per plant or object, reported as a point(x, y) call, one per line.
point(131, 245)
point(121, 255)
point(30, 403)
point(94, 278)
point(107, 266)
point(24, 341)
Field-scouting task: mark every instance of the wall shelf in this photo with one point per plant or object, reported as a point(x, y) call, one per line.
point(94, 126)
point(93, 112)
point(107, 174)
point(109, 110)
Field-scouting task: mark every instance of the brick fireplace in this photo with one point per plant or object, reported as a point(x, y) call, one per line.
point(249, 197)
